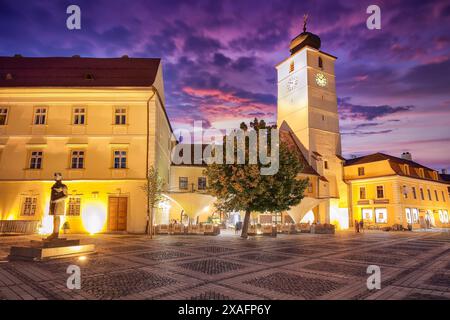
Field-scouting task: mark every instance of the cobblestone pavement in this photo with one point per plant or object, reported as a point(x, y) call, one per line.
point(413, 266)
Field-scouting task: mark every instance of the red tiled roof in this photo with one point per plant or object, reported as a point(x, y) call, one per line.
point(396, 164)
point(72, 72)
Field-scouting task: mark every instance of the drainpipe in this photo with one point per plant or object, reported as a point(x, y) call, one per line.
point(149, 216)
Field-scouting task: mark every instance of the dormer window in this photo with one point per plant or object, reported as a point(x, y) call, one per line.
point(360, 171)
point(8, 76)
point(406, 169)
point(421, 173)
point(88, 76)
point(320, 63)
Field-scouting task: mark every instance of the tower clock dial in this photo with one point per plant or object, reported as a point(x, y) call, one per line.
point(321, 80)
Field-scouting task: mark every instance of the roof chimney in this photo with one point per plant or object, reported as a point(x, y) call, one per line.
point(444, 171)
point(406, 156)
point(17, 55)
point(125, 56)
point(76, 56)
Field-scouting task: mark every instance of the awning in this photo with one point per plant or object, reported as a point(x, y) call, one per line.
point(193, 204)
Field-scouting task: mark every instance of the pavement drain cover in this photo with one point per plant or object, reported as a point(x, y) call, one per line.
point(162, 255)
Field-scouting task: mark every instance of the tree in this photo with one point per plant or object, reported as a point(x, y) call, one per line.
point(242, 187)
point(153, 188)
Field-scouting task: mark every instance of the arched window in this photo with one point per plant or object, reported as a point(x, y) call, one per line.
point(320, 63)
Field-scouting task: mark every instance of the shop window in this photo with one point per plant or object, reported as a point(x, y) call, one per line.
point(381, 215)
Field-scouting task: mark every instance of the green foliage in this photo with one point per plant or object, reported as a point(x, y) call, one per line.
point(241, 187)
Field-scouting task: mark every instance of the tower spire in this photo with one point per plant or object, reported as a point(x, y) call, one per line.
point(305, 21)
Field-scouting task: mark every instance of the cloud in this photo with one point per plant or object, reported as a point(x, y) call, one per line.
point(347, 110)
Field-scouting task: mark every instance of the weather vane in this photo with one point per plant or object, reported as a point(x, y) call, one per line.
point(305, 21)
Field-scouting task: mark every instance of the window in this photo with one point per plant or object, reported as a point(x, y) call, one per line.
point(436, 195)
point(29, 206)
point(276, 218)
point(362, 193)
point(3, 116)
point(443, 196)
point(77, 159)
point(408, 215)
point(291, 67)
point(360, 171)
point(79, 116)
point(183, 183)
point(74, 206)
point(40, 116)
point(380, 192)
point(120, 159)
point(421, 194)
point(381, 215)
point(201, 183)
point(443, 216)
point(406, 169)
point(325, 164)
point(310, 187)
point(320, 63)
point(415, 215)
point(120, 116)
point(429, 194)
point(367, 214)
point(421, 173)
point(405, 191)
point(414, 192)
point(36, 160)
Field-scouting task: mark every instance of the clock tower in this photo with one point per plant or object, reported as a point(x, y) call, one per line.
point(307, 103)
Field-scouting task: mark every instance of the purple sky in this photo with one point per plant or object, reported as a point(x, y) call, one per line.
point(393, 84)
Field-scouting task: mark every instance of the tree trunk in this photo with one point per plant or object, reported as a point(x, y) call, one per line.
point(151, 222)
point(246, 223)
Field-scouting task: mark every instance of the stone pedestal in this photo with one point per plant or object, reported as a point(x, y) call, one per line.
point(50, 249)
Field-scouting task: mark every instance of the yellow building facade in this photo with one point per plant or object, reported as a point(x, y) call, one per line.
point(99, 122)
point(387, 191)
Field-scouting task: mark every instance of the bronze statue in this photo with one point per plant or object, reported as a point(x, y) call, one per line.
point(57, 204)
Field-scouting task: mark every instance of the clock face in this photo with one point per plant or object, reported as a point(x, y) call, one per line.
point(292, 84)
point(321, 80)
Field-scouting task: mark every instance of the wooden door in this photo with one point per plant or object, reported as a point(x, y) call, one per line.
point(117, 213)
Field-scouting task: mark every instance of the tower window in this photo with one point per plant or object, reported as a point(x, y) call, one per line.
point(414, 192)
point(3, 116)
point(325, 164)
point(320, 62)
point(429, 194)
point(421, 194)
point(291, 67)
point(436, 195)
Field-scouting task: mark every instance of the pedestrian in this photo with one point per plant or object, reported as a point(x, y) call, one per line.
point(236, 227)
point(361, 225)
point(356, 226)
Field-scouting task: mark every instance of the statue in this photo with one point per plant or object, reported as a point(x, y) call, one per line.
point(57, 204)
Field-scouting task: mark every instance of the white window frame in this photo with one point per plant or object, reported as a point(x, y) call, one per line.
point(73, 206)
point(179, 183)
point(385, 215)
point(40, 116)
point(120, 116)
point(122, 155)
point(408, 215)
point(33, 162)
point(415, 215)
point(79, 116)
point(80, 157)
point(367, 214)
point(29, 206)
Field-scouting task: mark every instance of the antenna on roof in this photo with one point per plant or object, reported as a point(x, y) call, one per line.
point(17, 55)
point(305, 21)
